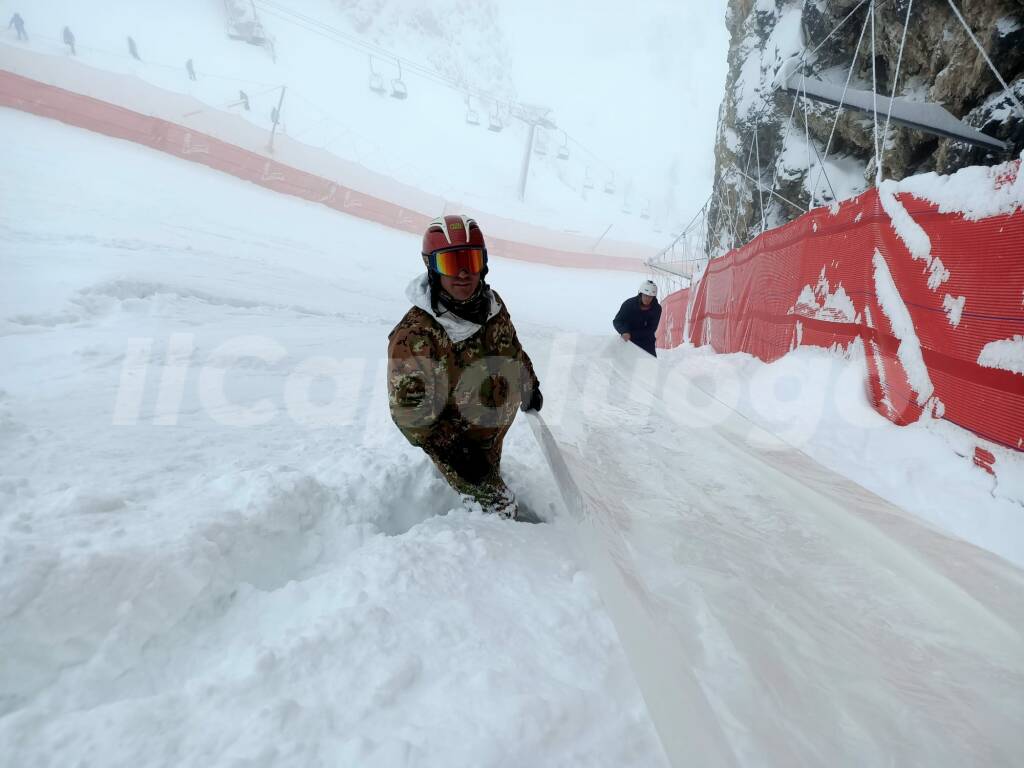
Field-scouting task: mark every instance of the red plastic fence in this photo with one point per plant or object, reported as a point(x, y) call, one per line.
point(771, 295)
point(104, 117)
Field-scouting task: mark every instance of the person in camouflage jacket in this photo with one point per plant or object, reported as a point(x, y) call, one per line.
point(457, 373)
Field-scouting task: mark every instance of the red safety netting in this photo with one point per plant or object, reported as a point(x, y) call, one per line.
point(821, 280)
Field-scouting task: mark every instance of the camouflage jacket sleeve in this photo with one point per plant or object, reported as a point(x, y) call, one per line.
point(417, 382)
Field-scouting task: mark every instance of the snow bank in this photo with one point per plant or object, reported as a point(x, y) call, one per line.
point(1007, 354)
point(977, 192)
point(909, 351)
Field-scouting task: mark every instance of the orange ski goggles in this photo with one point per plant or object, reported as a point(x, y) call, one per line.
point(451, 261)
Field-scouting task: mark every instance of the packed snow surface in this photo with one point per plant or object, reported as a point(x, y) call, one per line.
point(218, 550)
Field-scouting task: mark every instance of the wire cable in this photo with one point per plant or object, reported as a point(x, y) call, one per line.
point(999, 77)
point(895, 83)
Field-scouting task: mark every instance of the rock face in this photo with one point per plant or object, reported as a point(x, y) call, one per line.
point(763, 134)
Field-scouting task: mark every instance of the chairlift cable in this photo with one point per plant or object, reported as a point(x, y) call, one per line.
point(334, 34)
point(329, 32)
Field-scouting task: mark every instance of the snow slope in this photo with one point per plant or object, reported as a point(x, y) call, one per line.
point(181, 590)
point(218, 550)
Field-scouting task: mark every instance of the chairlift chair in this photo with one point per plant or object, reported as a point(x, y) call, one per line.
point(588, 180)
point(609, 186)
point(563, 150)
point(645, 210)
point(540, 146)
point(376, 79)
point(472, 116)
point(398, 89)
point(494, 120)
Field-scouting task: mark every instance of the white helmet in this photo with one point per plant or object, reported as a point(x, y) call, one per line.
point(648, 288)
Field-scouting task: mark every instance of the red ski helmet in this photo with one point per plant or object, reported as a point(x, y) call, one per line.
point(452, 232)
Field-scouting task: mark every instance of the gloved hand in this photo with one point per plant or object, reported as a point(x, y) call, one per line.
point(535, 401)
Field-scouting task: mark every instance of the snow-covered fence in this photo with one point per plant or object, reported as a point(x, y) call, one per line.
point(927, 273)
point(127, 108)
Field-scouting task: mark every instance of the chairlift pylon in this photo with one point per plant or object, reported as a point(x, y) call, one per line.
point(398, 89)
point(494, 120)
point(376, 80)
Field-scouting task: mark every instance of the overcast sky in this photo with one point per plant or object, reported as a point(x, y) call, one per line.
point(639, 82)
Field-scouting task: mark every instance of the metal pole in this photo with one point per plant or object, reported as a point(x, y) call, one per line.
point(277, 117)
point(524, 174)
point(607, 229)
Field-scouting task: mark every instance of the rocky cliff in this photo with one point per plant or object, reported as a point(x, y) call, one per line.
point(762, 137)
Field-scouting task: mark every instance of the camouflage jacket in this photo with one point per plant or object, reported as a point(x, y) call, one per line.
point(450, 379)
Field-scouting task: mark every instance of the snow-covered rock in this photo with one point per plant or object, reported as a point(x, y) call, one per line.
point(940, 64)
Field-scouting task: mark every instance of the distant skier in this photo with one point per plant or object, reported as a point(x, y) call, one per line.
point(638, 317)
point(69, 40)
point(457, 372)
point(190, 68)
point(243, 99)
point(133, 49)
point(19, 26)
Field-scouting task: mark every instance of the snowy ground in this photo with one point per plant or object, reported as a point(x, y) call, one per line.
point(179, 589)
point(217, 549)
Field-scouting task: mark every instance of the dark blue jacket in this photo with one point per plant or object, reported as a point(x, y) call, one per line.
point(640, 324)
